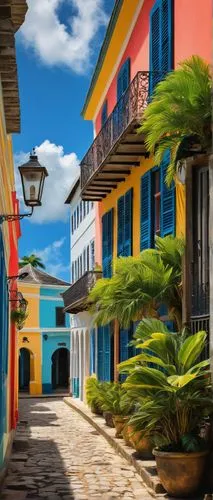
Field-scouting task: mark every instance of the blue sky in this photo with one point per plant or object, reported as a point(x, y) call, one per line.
point(56, 53)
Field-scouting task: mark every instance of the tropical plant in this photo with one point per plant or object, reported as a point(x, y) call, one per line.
point(95, 391)
point(19, 316)
point(178, 117)
point(32, 259)
point(116, 400)
point(141, 284)
point(172, 387)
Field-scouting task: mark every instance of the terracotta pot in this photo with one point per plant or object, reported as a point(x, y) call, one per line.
point(119, 423)
point(180, 473)
point(142, 445)
point(108, 418)
point(126, 433)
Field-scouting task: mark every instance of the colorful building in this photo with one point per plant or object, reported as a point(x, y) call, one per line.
point(83, 276)
point(12, 16)
point(44, 341)
point(145, 39)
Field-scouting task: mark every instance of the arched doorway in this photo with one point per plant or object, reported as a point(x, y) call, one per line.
point(24, 369)
point(60, 369)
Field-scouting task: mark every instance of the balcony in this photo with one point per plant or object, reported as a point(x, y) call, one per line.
point(75, 298)
point(118, 146)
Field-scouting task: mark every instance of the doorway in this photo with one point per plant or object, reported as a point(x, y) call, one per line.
point(24, 370)
point(60, 369)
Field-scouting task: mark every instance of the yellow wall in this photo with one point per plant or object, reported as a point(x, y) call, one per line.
point(31, 293)
point(133, 181)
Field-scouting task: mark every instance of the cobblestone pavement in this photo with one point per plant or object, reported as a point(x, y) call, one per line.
point(63, 457)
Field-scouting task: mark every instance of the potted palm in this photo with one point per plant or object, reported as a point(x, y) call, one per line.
point(93, 394)
point(175, 399)
point(117, 402)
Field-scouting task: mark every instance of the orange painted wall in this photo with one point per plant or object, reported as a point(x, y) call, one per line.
point(193, 29)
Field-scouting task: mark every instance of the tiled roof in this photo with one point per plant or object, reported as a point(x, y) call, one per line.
point(39, 277)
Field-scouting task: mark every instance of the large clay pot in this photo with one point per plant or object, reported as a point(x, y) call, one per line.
point(119, 423)
point(126, 433)
point(142, 444)
point(180, 473)
point(108, 418)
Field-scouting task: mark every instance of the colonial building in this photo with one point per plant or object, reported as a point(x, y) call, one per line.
point(145, 39)
point(44, 341)
point(12, 14)
point(83, 276)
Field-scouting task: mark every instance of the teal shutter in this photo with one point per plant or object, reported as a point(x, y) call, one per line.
point(100, 354)
point(161, 41)
point(104, 353)
point(125, 224)
point(107, 243)
point(167, 201)
point(145, 212)
point(92, 351)
point(104, 114)
point(120, 111)
point(123, 79)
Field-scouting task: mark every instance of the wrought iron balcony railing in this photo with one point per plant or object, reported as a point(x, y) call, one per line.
point(104, 152)
point(75, 298)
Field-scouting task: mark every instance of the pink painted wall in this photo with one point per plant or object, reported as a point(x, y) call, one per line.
point(193, 29)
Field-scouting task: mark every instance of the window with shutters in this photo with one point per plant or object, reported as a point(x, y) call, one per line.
point(88, 263)
point(104, 353)
point(157, 213)
point(161, 41)
point(104, 114)
point(92, 254)
point(120, 113)
point(124, 239)
point(107, 243)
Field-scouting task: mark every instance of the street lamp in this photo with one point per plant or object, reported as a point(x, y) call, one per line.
point(32, 178)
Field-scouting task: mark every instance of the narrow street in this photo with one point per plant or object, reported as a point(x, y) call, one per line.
point(63, 457)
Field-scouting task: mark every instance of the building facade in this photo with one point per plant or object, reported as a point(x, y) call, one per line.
point(145, 40)
point(12, 16)
point(44, 341)
point(83, 276)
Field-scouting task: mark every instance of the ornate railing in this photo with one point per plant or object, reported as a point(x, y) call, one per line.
point(75, 297)
point(131, 106)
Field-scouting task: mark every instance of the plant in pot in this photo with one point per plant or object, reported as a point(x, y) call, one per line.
point(117, 402)
point(94, 394)
point(175, 394)
point(19, 316)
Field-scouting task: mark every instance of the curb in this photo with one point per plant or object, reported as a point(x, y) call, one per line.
point(143, 468)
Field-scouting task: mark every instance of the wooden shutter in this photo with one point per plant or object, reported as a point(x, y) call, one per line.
point(107, 352)
point(92, 351)
point(161, 41)
point(123, 78)
point(125, 224)
point(104, 114)
point(107, 243)
point(145, 212)
point(100, 354)
point(167, 201)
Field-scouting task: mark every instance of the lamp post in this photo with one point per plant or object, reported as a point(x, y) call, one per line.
point(32, 178)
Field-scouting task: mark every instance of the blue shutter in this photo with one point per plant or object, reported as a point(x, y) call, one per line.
point(124, 340)
point(120, 243)
point(145, 212)
point(107, 243)
point(167, 201)
point(119, 113)
point(123, 79)
point(104, 114)
point(161, 41)
point(128, 223)
point(107, 352)
point(100, 354)
point(92, 351)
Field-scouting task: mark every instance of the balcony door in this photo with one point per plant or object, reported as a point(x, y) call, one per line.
point(121, 111)
point(200, 249)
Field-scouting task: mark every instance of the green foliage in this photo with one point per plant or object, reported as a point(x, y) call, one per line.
point(19, 316)
point(172, 387)
point(31, 259)
point(140, 284)
point(117, 401)
point(95, 391)
point(180, 109)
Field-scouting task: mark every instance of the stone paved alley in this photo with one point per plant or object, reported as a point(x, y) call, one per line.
point(66, 459)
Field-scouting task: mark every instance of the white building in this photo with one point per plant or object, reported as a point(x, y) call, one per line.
point(83, 343)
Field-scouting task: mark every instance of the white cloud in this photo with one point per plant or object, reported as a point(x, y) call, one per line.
point(52, 257)
point(57, 44)
point(63, 169)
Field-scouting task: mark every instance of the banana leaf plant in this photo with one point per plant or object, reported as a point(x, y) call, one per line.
point(117, 401)
point(172, 387)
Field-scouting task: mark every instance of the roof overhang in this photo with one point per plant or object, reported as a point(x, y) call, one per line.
point(12, 15)
point(119, 26)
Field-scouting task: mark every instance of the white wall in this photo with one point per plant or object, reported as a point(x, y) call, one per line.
point(82, 236)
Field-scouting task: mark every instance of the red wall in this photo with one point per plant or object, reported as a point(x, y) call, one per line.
point(192, 35)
